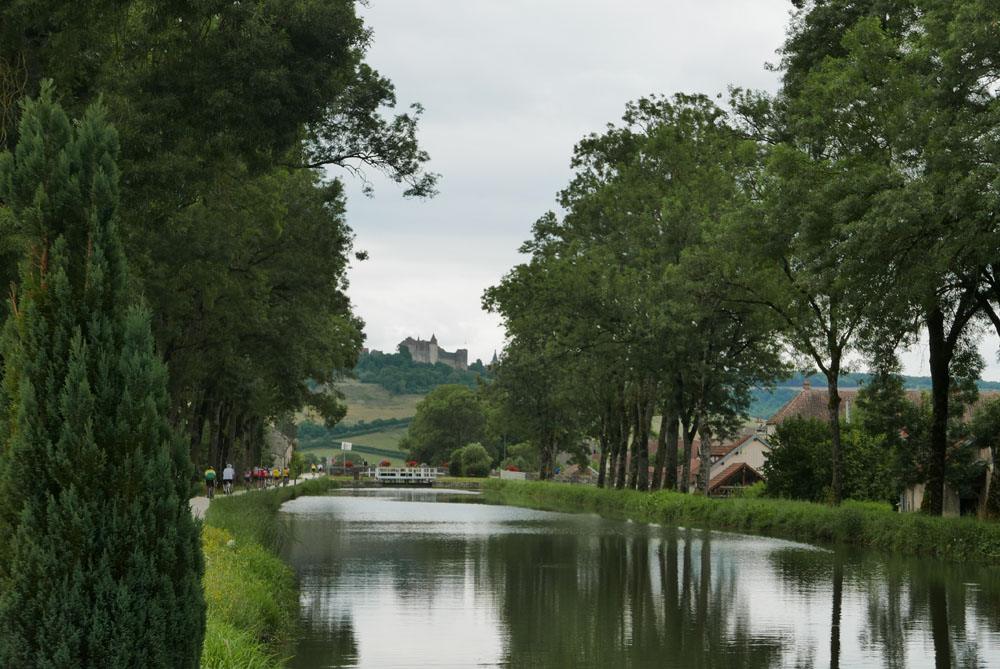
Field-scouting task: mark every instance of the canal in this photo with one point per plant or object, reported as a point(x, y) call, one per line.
point(409, 578)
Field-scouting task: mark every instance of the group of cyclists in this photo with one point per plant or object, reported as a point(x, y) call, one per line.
point(256, 477)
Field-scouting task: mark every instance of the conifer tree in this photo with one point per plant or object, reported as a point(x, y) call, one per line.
point(100, 562)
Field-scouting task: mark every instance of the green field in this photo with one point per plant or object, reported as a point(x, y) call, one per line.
point(371, 447)
point(368, 402)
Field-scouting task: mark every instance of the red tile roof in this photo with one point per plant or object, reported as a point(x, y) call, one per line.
point(729, 473)
point(812, 403)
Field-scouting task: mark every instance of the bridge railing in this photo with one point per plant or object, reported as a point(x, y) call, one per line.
point(405, 473)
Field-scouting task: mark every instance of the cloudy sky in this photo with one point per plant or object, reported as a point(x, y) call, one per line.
point(509, 86)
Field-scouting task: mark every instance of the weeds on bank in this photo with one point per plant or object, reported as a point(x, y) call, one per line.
point(857, 523)
point(251, 594)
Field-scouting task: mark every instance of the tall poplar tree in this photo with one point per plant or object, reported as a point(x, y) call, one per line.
point(100, 563)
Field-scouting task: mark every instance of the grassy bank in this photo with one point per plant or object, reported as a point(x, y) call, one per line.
point(861, 524)
point(251, 594)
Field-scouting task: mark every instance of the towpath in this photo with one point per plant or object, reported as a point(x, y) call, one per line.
point(199, 505)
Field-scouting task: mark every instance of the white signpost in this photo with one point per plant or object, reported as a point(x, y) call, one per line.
point(345, 446)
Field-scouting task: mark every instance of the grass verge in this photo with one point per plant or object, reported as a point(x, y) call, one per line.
point(251, 594)
point(856, 523)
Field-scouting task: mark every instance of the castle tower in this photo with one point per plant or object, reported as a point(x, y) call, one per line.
point(432, 350)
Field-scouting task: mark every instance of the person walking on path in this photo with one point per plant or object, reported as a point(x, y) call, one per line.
point(210, 481)
point(228, 475)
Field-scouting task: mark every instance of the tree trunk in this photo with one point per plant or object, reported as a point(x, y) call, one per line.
point(833, 414)
point(671, 448)
point(623, 430)
point(688, 433)
point(547, 458)
point(704, 460)
point(604, 457)
point(661, 451)
point(940, 362)
point(635, 413)
point(645, 410)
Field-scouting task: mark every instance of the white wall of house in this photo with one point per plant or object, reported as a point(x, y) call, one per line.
point(753, 452)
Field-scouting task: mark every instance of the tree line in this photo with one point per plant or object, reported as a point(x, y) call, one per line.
point(232, 119)
point(703, 249)
point(176, 256)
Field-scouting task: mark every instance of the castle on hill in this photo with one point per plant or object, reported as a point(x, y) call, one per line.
point(430, 353)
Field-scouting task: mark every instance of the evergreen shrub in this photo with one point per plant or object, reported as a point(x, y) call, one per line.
point(100, 559)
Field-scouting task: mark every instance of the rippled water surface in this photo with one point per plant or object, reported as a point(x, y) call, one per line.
point(409, 578)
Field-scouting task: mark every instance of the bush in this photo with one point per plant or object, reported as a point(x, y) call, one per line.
point(476, 460)
point(455, 463)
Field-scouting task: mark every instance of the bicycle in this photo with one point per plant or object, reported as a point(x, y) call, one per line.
point(227, 487)
point(211, 488)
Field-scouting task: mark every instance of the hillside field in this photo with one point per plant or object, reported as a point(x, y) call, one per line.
point(372, 447)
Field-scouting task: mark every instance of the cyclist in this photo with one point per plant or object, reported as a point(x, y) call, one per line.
point(312, 468)
point(248, 478)
point(285, 473)
point(276, 476)
point(228, 474)
point(210, 481)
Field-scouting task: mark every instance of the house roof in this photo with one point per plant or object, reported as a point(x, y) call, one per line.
point(812, 403)
point(728, 474)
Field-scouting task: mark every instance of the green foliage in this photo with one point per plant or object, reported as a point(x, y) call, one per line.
point(101, 562)
point(798, 466)
point(476, 460)
point(397, 373)
point(448, 418)
point(524, 456)
point(229, 114)
point(985, 431)
point(858, 523)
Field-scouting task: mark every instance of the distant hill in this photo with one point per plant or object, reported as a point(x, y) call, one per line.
point(399, 374)
point(375, 423)
point(766, 402)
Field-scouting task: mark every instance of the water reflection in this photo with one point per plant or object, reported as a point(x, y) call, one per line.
point(403, 580)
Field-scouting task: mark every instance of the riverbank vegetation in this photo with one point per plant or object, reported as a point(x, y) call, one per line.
point(251, 595)
point(700, 243)
point(863, 524)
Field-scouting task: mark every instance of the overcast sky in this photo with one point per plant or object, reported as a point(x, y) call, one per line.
point(509, 86)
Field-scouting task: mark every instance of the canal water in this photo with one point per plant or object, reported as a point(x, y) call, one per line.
point(428, 578)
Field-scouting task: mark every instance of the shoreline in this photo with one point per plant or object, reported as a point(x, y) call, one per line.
point(860, 524)
point(251, 594)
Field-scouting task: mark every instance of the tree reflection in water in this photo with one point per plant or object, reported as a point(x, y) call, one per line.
point(639, 601)
point(523, 589)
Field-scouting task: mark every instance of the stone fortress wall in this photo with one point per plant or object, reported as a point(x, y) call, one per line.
point(430, 353)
